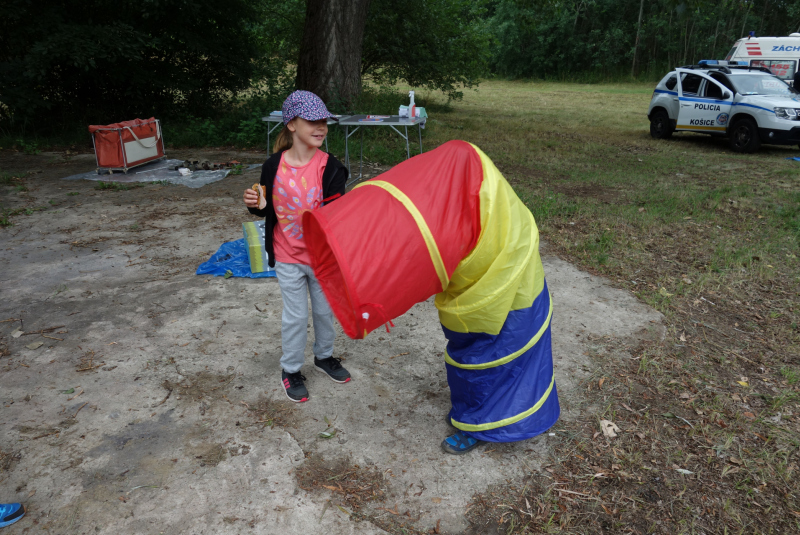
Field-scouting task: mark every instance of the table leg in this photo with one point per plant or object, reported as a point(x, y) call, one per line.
point(408, 150)
point(347, 150)
point(419, 128)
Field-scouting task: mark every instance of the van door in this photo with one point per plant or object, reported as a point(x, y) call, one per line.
point(705, 104)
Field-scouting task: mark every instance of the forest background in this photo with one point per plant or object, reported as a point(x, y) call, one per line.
point(210, 70)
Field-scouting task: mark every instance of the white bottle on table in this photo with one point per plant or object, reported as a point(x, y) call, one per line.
point(412, 108)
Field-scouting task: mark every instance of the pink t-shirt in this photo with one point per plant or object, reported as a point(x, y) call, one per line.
point(295, 190)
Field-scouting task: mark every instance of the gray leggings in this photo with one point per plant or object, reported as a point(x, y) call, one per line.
point(297, 281)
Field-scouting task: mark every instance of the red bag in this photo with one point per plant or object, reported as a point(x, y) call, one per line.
point(127, 144)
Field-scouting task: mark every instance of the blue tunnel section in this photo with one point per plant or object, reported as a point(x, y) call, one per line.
point(509, 401)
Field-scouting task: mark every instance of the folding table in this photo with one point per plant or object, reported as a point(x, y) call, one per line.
point(392, 121)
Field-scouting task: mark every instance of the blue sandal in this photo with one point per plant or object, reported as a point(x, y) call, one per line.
point(460, 443)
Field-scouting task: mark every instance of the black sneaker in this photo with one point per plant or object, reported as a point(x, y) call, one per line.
point(333, 368)
point(294, 386)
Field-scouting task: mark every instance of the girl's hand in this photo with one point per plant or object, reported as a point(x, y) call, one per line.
point(251, 199)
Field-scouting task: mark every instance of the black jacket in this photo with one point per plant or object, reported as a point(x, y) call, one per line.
point(334, 179)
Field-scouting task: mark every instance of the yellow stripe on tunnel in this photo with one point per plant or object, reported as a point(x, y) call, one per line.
point(430, 241)
point(509, 358)
point(507, 421)
point(504, 271)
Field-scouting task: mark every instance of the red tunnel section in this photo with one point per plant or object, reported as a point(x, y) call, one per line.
point(367, 250)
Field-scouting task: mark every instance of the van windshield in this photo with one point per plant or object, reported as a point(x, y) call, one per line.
point(732, 52)
point(761, 84)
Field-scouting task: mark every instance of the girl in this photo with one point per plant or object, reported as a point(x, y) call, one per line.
point(299, 177)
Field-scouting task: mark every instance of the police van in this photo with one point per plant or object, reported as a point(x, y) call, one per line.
point(778, 54)
point(748, 104)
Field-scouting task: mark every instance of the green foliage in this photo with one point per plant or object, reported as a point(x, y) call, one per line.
point(28, 147)
point(6, 214)
point(593, 40)
point(105, 61)
point(436, 44)
point(237, 169)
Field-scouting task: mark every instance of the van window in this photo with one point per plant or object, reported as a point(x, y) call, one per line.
point(672, 82)
point(691, 84)
point(782, 68)
point(731, 53)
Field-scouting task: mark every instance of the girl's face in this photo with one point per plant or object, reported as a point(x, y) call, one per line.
point(310, 133)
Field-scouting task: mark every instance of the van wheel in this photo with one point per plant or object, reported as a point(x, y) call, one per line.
point(744, 136)
point(660, 125)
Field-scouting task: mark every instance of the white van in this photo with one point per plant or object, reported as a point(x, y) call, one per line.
point(778, 54)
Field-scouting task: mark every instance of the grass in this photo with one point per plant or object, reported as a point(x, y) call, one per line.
point(708, 237)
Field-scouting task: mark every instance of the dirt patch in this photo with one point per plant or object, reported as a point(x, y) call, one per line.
point(353, 486)
point(8, 459)
point(266, 412)
point(594, 191)
point(529, 176)
point(199, 386)
point(210, 454)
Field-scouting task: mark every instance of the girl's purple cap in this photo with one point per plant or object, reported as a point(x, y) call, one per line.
point(306, 105)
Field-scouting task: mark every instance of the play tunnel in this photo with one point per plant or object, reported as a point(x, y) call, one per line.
point(447, 223)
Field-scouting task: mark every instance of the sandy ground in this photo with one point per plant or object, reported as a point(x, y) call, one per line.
point(161, 365)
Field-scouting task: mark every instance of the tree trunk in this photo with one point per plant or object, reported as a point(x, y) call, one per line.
point(636, 45)
point(330, 53)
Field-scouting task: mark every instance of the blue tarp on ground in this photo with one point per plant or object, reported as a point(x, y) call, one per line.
point(231, 256)
point(794, 158)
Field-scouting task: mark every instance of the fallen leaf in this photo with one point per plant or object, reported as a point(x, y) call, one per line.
point(31, 493)
point(735, 460)
point(35, 345)
point(686, 395)
point(682, 337)
point(70, 391)
point(663, 291)
point(687, 280)
point(743, 383)
point(684, 471)
point(436, 500)
point(17, 333)
point(609, 428)
point(328, 434)
point(640, 435)
point(600, 382)
point(735, 397)
point(749, 415)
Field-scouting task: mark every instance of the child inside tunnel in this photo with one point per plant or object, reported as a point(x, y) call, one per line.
point(475, 245)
